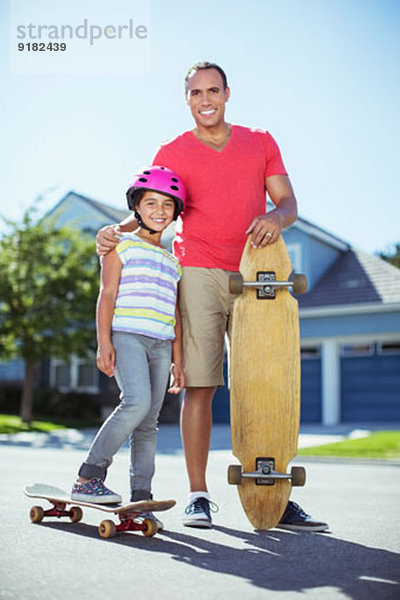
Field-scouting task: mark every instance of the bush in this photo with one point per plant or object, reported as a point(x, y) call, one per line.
point(51, 403)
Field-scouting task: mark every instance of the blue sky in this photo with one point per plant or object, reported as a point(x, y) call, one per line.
point(321, 75)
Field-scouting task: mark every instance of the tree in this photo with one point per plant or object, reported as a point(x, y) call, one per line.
point(392, 256)
point(48, 290)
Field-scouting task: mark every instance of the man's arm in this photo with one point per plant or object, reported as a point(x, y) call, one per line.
point(108, 237)
point(265, 229)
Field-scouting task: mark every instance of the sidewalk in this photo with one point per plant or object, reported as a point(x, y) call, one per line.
point(169, 441)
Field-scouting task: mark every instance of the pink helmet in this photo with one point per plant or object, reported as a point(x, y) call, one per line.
point(157, 179)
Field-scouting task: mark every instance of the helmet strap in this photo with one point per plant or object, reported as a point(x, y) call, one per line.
point(142, 224)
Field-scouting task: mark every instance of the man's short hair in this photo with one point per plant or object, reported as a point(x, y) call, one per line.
point(202, 66)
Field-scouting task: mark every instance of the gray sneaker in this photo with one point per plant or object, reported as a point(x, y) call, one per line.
point(198, 513)
point(150, 515)
point(94, 491)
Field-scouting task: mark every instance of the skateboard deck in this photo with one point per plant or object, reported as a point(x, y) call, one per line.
point(265, 382)
point(129, 514)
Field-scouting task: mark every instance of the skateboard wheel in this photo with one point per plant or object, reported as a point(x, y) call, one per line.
point(151, 527)
point(36, 514)
point(299, 283)
point(298, 475)
point(236, 283)
point(234, 474)
point(107, 529)
point(75, 514)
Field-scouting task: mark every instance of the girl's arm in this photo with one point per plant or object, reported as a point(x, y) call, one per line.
point(109, 281)
point(178, 376)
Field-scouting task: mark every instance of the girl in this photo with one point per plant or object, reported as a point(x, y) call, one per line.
point(138, 334)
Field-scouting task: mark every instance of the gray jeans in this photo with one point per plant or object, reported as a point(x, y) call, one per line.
point(142, 373)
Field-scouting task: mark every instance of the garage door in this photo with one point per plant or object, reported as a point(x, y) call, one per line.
point(371, 385)
point(310, 389)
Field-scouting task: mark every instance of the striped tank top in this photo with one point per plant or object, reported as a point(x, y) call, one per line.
point(146, 297)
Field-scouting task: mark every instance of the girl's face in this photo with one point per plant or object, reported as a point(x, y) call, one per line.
point(156, 210)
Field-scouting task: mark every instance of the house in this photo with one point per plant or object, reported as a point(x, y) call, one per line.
point(349, 328)
point(349, 324)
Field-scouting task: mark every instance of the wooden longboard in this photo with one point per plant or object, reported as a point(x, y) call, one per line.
point(265, 386)
point(60, 499)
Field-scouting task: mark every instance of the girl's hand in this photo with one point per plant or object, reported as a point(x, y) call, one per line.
point(177, 379)
point(105, 359)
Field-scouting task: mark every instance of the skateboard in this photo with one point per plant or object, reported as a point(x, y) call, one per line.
point(129, 514)
point(265, 382)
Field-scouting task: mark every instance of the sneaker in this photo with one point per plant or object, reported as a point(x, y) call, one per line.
point(94, 491)
point(296, 519)
point(149, 515)
point(198, 513)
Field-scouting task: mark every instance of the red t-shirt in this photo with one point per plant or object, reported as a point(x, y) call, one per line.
point(225, 191)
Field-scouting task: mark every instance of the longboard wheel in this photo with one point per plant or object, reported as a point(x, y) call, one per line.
point(36, 514)
point(151, 527)
point(75, 514)
point(298, 475)
point(107, 529)
point(299, 283)
point(236, 283)
point(234, 474)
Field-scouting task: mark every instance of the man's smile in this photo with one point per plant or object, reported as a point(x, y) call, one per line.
point(208, 112)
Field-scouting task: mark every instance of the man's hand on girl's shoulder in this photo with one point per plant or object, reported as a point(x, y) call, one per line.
point(107, 238)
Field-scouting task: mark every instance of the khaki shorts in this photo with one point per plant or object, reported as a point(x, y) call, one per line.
point(206, 307)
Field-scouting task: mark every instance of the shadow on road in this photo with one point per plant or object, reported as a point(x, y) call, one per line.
point(274, 560)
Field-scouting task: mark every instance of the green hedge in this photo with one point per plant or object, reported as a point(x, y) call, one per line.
point(51, 403)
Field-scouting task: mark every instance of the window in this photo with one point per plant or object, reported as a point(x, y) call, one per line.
point(62, 375)
point(365, 349)
point(312, 352)
point(80, 374)
point(87, 374)
point(389, 348)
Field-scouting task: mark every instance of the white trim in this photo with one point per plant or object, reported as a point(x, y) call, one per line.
point(352, 339)
point(348, 309)
point(330, 378)
point(324, 236)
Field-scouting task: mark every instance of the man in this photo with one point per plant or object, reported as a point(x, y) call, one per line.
point(226, 170)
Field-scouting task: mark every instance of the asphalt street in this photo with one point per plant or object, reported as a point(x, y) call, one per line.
point(60, 560)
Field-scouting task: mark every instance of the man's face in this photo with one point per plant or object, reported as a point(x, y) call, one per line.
point(206, 97)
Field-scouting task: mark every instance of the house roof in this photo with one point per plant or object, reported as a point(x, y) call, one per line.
point(115, 214)
point(111, 214)
point(322, 234)
point(355, 278)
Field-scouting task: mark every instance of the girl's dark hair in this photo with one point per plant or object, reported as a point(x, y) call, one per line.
point(201, 66)
point(135, 197)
